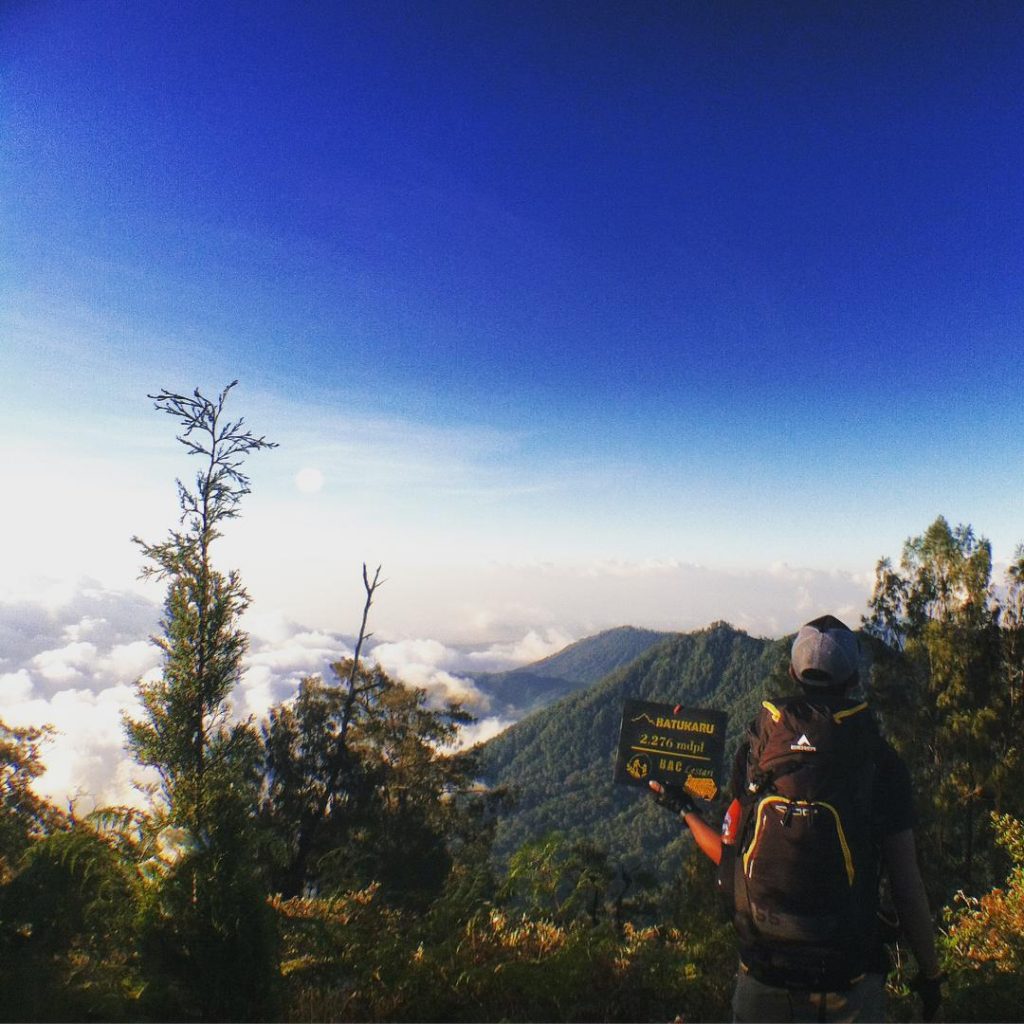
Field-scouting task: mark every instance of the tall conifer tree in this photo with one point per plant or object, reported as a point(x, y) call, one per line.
point(184, 733)
point(208, 939)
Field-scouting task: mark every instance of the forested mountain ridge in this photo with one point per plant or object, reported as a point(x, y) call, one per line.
point(519, 691)
point(559, 760)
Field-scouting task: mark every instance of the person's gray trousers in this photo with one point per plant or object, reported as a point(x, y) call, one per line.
point(753, 1001)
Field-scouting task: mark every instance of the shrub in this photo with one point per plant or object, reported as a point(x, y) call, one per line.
point(985, 941)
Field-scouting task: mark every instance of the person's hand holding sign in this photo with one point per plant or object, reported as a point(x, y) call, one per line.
point(678, 801)
point(673, 798)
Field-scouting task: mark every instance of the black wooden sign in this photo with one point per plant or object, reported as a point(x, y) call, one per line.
point(671, 744)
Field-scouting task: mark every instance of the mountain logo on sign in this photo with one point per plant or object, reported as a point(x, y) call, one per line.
point(803, 745)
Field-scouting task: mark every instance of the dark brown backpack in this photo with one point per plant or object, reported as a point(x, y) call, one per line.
point(804, 871)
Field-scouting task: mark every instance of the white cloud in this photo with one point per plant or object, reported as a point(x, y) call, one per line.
point(73, 663)
point(15, 688)
point(430, 665)
point(65, 664)
point(130, 661)
point(268, 627)
point(281, 654)
point(535, 645)
point(72, 660)
point(500, 603)
point(84, 756)
point(445, 671)
point(81, 687)
point(85, 627)
point(482, 730)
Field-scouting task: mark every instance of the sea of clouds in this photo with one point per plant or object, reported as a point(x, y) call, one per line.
point(70, 657)
point(71, 661)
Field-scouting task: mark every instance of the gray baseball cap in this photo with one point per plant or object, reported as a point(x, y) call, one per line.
point(825, 653)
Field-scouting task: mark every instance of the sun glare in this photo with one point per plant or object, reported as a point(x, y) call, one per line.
point(309, 480)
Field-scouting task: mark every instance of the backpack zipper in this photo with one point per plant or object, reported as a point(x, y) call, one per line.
point(847, 856)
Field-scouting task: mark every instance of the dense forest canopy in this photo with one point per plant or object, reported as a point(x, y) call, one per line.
point(345, 859)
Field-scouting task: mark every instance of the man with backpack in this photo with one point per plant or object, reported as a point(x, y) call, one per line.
point(821, 804)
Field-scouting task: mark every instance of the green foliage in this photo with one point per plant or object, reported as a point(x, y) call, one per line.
point(333, 949)
point(358, 785)
point(1008, 772)
point(67, 922)
point(207, 942)
point(352, 958)
point(940, 681)
point(508, 967)
point(561, 880)
point(984, 946)
point(183, 733)
point(24, 815)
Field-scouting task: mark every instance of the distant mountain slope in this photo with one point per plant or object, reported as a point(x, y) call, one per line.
point(583, 663)
point(591, 659)
point(559, 759)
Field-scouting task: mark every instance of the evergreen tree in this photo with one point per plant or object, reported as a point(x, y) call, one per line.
point(184, 734)
point(67, 899)
point(358, 785)
point(67, 921)
point(1008, 776)
point(939, 683)
point(208, 935)
point(24, 815)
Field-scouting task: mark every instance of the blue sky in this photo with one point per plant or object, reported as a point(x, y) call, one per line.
point(538, 289)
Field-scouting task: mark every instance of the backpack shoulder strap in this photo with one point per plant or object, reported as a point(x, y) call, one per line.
point(857, 709)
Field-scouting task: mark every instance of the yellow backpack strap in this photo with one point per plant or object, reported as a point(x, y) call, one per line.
point(773, 710)
point(838, 716)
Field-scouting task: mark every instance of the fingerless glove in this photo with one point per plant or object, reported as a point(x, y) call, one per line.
point(676, 800)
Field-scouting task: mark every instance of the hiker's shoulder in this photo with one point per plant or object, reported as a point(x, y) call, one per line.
point(889, 761)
